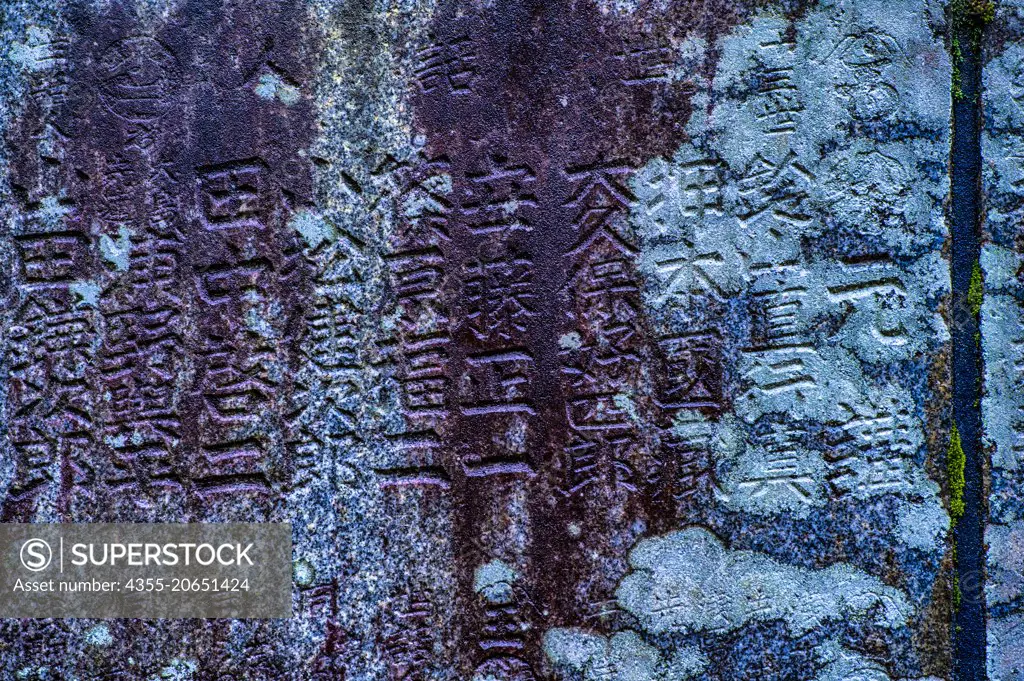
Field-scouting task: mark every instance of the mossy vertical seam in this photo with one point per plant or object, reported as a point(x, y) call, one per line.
point(976, 290)
point(956, 463)
point(964, 483)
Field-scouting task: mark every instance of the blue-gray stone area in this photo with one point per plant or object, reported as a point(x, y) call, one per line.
point(809, 240)
point(1002, 314)
point(677, 410)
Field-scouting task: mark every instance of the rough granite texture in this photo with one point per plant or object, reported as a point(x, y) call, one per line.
point(1002, 320)
point(599, 339)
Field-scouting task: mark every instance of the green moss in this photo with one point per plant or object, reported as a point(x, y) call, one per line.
point(976, 290)
point(956, 463)
point(957, 596)
point(984, 11)
point(967, 19)
point(967, 15)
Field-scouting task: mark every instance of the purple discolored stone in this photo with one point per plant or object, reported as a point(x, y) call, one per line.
point(586, 340)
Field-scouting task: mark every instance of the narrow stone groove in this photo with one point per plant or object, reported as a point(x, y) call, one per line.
point(965, 210)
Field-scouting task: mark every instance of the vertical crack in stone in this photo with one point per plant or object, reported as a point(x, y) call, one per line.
point(966, 487)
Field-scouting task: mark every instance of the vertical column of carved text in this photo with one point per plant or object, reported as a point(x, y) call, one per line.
point(327, 435)
point(142, 363)
point(414, 478)
point(675, 198)
point(674, 465)
point(419, 268)
point(496, 402)
point(325, 421)
point(871, 454)
point(241, 354)
point(603, 353)
point(499, 424)
point(49, 406)
point(858, 282)
point(607, 363)
point(779, 356)
point(362, 492)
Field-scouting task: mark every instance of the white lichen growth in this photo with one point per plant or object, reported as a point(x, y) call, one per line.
point(687, 582)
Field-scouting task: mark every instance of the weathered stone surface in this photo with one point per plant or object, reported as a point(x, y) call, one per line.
point(1001, 316)
point(592, 340)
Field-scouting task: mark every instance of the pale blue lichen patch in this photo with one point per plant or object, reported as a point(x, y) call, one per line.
point(303, 572)
point(515, 438)
point(87, 292)
point(626, 403)
point(99, 636)
point(118, 251)
point(623, 656)
point(494, 581)
point(570, 341)
point(924, 526)
point(840, 664)
point(1001, 320)
point(52, 212)
point(837, 663)
point(1006, 647)
point(273, 86)
point(116, 441)
point(687, 581)
point(178, 670)
point(1005, 583)
point(770, 215)
point(999, 265)
point(312, 226)
point(35, 52)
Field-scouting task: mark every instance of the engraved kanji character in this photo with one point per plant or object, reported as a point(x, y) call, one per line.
point(450, 63)
point(782, 467)
point(424, 378)
point(596, 458)
point(876, 289)
point(234, 194)
point(782, 370)
point(774, 197)
point(54, 257)
point(694, 273)
point(417, 278)
point(675, 196)
point(693, 369)
point(497, 199)
point(644, 61)
point(499, 296)
point(599, 194)
point(498, 382)
point(598, 412)
point(776, 317)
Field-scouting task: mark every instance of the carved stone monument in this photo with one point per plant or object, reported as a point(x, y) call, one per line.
point(600, 340)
